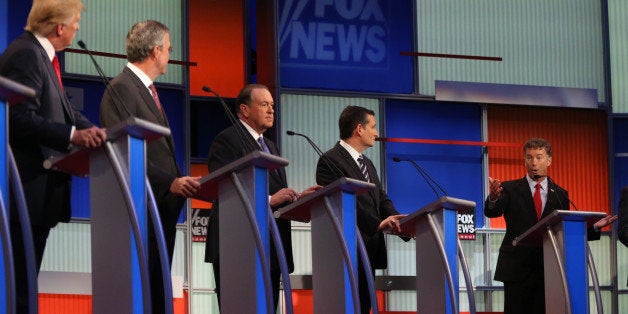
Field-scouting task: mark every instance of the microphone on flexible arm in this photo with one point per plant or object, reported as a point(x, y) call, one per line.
point(318, 151)
point(243, 135)
point(556, 194)
point(117, 100)
point(428, 179)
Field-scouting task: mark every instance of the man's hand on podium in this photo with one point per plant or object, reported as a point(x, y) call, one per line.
point(391, 224)
point(89, 138)
point(185, 186)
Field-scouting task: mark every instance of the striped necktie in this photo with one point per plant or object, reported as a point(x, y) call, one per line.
point(365, 173)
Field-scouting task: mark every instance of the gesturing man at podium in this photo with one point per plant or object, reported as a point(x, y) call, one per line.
point(256, 114)
point(375, 212)
point(523, 202)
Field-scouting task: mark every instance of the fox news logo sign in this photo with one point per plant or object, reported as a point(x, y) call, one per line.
point(335, 32)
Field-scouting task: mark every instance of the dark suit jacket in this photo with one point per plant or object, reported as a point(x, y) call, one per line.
point(227, 147)
point(372, 207)
point(40, 128)
point(161, 167)
point(517, 206)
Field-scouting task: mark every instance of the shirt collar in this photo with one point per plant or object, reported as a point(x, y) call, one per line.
point(532, 183)
point(254, 133)
point(354, 153)
point(140, 74)
point(44, 42)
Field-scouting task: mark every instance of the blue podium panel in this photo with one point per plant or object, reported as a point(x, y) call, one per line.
point(436, 232)
point(563, 236)
point(332, 213)
point(242, 188)
point(11, 92)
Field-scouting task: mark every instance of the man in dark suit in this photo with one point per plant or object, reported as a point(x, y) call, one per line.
point(44, 126)
point(148, 50)
point(256, 109)
point(520, 268)
point(375, 212)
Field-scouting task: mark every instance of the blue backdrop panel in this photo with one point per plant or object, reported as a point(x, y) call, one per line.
point(456, 168)
point(346, 45)
point(88, 101)
point(620, 145)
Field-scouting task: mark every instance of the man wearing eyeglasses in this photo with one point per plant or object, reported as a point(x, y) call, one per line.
point(148, 51)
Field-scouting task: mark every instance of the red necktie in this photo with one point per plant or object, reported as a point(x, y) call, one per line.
point(538, 204)
point(156, 98)
point(55, 65)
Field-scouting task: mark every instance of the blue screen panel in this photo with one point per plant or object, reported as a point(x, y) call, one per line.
point(346, 45)
point(456, 168)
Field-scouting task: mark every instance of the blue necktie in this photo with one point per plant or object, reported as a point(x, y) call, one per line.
point(262, 143)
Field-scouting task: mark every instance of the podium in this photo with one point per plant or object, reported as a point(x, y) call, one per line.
point(119, 217)
point(435, 228)
point(12, 92)
point(332, 212)
point(242, 187)
point(563, 236)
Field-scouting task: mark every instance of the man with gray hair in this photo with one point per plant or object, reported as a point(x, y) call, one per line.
point(44, 126)
point(148, 51)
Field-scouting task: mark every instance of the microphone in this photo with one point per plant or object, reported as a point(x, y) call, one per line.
point(562, 192)
point(318, 151)
point(118, 103)
point(428, 179)
point(243, 135)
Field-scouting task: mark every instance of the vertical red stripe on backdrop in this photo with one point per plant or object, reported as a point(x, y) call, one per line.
point(579, 145)
point(217, 45)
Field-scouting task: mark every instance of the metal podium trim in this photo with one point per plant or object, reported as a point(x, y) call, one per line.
point(133, 219)
point(250, 214)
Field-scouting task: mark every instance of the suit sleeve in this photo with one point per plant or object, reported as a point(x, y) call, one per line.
point(222, 152)
point(495, 209)
point(324, 173)
point(386, 205)
point(26, 122)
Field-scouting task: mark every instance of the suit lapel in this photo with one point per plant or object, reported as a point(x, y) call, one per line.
point(52, 79)
point(523, 189)
point(147, 98)
point(553, 202)
point(149, 102)
point(279, 176)
point(356, 173)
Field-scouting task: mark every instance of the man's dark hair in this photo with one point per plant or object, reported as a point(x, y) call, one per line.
point(538, 143)
point(244, 97)
point(350, 118)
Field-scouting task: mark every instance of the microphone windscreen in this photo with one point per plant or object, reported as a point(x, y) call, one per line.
point(207, 89)
point(82, 44)
point(395, 159)
point(289, 132)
